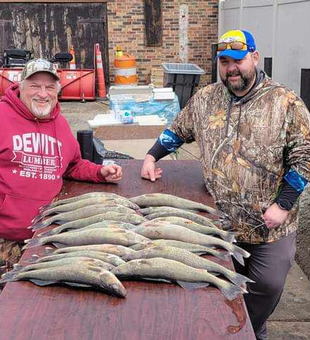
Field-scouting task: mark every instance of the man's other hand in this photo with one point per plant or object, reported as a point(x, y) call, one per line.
point(149, 171)
point(274, 216)
point(112, 173)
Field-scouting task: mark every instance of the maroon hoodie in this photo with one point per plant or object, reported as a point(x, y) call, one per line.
point(35, 154)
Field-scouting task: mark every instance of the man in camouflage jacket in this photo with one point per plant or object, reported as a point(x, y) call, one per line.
point(254, 140)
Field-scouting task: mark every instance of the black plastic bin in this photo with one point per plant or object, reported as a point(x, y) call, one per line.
point(183, 78)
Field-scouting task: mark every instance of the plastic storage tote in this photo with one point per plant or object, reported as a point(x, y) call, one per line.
point(183, 78)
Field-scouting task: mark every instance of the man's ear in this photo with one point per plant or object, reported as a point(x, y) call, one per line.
point(255, 56)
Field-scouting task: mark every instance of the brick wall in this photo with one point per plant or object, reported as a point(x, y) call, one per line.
point(126, 28)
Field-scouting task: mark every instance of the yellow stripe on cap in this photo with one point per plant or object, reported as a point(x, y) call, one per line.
point(233, 35)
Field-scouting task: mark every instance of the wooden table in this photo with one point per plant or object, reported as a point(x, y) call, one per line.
point(153, 311)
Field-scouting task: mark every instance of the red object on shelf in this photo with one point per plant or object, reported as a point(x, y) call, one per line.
point(75, 84)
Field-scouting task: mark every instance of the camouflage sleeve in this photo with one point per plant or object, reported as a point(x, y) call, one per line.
point(298, 145)
point(183, 124)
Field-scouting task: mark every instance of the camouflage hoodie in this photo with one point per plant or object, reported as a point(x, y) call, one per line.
point(246, 148)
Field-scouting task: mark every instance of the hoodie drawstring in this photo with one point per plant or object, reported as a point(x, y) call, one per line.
point(41, 147)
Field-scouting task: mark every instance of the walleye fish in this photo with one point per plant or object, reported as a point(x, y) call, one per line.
point(91, 236)
point(87, 202)
point(176, 272)
point(110, 215)
point(106, 248)
point(77, 198)
point(78, 214)
point(158, 199)
point(98, 255)
point(189, 259)
point(81, 274)
point(193, 248)
point(155, 212)
point(103, 224)
point(126, 226)
point(56, 263)
point(199, 228)
point(183, 234)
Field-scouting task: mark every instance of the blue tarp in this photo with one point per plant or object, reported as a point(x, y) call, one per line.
point(163, 108)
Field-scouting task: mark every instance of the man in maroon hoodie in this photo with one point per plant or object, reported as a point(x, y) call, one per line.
point(37, 149)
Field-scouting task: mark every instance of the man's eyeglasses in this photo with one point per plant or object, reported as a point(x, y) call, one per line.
point(234, 45)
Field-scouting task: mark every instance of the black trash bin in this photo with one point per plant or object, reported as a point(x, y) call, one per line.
point(183, 78)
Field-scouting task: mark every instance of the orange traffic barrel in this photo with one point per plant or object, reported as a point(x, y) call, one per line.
point(125, 70)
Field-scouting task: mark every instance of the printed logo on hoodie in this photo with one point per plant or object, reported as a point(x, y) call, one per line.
point(39, 155)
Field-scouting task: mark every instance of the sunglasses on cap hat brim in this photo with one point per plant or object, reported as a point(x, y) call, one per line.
point(234, 49)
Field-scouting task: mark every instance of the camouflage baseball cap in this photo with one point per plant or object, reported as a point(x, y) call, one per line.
point(39, 65)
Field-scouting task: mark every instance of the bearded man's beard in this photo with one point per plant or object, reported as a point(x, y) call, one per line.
point(243, 84)
point(41, 112)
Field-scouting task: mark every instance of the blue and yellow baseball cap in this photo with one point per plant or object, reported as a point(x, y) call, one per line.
point(235, 44)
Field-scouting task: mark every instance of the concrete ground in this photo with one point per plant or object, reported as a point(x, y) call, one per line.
point(291, 319)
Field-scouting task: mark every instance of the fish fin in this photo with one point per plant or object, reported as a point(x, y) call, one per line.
point(48, 250)
point(238, 257)
point(231, 291)
point(221, 255)
point(37, 218)
point(192, 285)
point(155, 279)
point(33, 242)
point(42, 283)
point(59, 245)
point(74, 284)
point(229, 237)
point(239, 279)
point(200, 252)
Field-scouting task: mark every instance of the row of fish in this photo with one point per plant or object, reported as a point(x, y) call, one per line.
point(92, 266)
point(109, 239)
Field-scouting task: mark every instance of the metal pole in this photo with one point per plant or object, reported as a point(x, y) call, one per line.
point(214, 64)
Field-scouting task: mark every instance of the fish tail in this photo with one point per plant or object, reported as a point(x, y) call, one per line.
point(34, 242)
point(238, 257)
point(228, 237)
point(230, 291)
point(237, 278)
point(241, 251)
point(238, 253)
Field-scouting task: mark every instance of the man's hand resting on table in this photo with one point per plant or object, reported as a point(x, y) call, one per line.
point(112, 173)
point(149, 170)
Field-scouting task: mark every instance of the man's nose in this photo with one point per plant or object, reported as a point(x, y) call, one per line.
point(42, 91)
point(231, 66)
